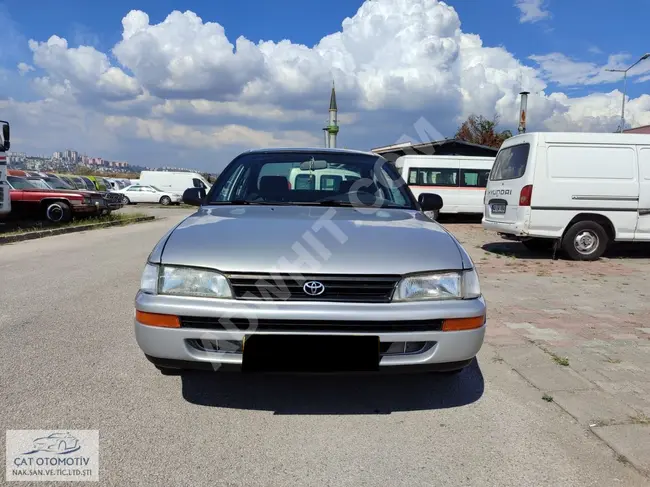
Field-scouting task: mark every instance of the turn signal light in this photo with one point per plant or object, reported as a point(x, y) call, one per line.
point(155, 319)
point(459, 324)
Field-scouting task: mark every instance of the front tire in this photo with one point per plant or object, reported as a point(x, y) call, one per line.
point(126, 200)
point(585, 240)
point(165, 201)
point(58, 212)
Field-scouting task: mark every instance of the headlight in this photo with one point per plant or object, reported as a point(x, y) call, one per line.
point(184, 281)
point(447, 285)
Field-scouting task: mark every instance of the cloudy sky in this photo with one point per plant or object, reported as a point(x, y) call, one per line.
point(158, 82)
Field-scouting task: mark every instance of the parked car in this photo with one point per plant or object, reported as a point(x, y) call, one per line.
point(227, 287)
point(581, 191)
point(148, 194)
point(29, 202)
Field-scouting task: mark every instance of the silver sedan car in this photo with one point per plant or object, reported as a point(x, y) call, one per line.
point(309, 260)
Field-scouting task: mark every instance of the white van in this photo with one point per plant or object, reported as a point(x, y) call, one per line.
point(320, 179)
point(173, 181)
point(459, 180)
point(579, 191)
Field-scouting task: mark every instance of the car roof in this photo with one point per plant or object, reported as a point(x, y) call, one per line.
point(310, 150)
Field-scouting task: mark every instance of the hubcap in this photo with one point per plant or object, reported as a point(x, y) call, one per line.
point(586, 242)
point(55, 213)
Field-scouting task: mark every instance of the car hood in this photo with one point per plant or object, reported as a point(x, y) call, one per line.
point(307, 239)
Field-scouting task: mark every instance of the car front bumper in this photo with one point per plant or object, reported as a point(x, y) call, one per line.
point(177, 346)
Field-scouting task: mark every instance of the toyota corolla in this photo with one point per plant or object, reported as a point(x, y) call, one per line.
point(309, 260)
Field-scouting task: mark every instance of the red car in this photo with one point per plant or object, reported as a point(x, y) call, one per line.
point(29, 202)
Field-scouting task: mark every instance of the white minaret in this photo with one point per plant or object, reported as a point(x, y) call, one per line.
point(333, 127)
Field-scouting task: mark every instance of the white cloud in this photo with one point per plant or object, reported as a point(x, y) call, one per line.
point(24, 68)
point(181, 88)
point(558, 68)
point(532, 10)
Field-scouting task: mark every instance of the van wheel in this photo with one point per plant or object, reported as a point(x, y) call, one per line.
point(58, 212)
point(165, 201)
point(585, 240)
point(538, 244)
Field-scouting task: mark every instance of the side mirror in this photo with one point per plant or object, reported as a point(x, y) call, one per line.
point(5, 135)
point(194, 196)
point(430, 201)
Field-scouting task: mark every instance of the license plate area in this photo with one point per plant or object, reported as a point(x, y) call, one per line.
point(498, 208)
point(310, 353)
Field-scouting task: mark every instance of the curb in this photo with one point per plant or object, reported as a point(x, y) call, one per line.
point(74, 229)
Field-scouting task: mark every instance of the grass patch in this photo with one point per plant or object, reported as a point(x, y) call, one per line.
point(112, 219)
point(640, 419)
point(563, 361)
point(547, 398)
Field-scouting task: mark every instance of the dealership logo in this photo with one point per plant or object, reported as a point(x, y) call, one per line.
point(58, 456)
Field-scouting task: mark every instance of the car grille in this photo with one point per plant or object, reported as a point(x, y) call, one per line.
point(112, 197)
point(279, 325)
point(339, 288)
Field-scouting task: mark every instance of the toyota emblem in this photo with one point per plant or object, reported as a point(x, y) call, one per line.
point(313, 288)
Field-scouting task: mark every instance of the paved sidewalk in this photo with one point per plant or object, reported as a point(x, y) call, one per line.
point(577, 331)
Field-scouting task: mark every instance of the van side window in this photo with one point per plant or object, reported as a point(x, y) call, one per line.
point(305, 181)
point(198, 183)
point(330, 182)
point(434, 177)
point(474, 178)
point(510, 163)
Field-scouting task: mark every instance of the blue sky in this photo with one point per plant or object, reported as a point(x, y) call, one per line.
point(570, 42)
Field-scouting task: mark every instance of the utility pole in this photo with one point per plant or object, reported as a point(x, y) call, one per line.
point(624, 71)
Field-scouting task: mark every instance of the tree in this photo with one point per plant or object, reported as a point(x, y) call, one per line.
point(479, 130)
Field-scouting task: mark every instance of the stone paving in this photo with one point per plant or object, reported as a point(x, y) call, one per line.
point(577, 331)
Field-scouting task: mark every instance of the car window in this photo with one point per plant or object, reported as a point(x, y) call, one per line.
point(433, 176)
point(20, 183)
point(134, 188)
point(359, 179)
point(89, 184)
point(154, 188)
point(510, 163)
point(305, 182)
point(330, 182)
point(198, 183)
point(474, 178)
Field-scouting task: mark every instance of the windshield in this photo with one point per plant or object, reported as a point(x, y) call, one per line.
point(39, 183)
point(345, 179)
point(510, 163)
point(89, 184)
point(20, 183)
point(57, 183)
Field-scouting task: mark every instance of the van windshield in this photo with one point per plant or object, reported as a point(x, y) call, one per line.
point(510, 163)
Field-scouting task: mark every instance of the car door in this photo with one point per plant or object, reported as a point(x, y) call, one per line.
point(134, 194)
point(643, 224)
point(149, 195)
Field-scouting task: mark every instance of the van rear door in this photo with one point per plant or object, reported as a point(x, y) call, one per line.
point(510, 185)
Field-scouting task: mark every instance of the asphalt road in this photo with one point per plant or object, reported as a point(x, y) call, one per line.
point(69, 360)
